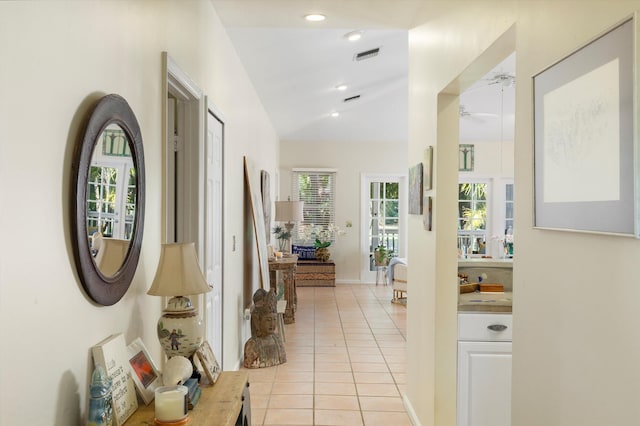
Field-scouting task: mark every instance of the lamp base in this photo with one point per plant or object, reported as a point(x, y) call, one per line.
point(180, 329)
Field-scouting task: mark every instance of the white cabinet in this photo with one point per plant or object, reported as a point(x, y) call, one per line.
point(484, 370)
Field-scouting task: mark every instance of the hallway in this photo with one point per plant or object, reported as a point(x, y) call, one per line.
point(346, 362)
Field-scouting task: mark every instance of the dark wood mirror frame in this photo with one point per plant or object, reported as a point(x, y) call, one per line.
point(111, 109)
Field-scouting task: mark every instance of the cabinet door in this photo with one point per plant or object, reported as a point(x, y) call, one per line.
point(484, 383)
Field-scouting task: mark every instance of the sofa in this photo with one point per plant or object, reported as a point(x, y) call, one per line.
point(397, 275)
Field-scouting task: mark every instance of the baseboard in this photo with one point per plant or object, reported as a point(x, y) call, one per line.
point(352, 282)
point(410, 411)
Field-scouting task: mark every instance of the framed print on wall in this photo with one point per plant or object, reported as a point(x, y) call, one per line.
point(465, 157)
point(427, 183)
point(415, 189)
point(584, 139)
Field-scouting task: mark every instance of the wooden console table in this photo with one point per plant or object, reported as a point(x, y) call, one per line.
point(288, 267)
point(313, 273)
point(227, 403)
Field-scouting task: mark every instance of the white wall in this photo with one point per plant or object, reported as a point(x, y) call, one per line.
point(575, 305)
point(58, 58)
point(351, 161)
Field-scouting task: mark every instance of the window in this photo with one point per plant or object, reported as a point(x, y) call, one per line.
point(317, 188)
point(472, 217)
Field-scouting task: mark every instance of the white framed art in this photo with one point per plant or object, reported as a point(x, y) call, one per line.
point(585, 137)
point(144, 372)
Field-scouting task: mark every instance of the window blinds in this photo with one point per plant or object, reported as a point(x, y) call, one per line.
point(317, 188)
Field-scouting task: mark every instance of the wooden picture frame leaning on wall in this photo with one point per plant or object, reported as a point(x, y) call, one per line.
point(205, 362)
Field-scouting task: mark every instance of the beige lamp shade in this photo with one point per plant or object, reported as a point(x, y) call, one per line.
point(178, 272)
point(111, 255)
point(289, 211)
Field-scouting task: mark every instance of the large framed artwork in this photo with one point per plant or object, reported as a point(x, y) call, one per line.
point(584, 138)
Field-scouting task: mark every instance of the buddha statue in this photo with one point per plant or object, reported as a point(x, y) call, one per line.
point(265, 347)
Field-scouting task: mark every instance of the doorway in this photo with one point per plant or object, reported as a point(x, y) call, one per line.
point(384, 199)
point(194, 182)
point(486, 164)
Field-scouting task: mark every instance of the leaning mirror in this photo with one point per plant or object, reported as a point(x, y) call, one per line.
point(109, 197)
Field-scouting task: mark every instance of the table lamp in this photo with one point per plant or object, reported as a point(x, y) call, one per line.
point(289, 212)
point(180, 329)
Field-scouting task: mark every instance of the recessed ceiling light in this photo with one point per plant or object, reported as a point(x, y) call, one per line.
point(335, 114)
point(341, 87)
point(353, 35)
point(315, 17)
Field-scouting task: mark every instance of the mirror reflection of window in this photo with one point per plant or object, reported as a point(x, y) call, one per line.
point(111, 191)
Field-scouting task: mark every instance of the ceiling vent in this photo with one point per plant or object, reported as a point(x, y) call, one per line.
point(352, 98)
point(367, 54)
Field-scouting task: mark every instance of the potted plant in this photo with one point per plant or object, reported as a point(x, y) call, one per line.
point(282, 235)
point(381, 256)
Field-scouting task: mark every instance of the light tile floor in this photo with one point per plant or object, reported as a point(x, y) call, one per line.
point(346, 362)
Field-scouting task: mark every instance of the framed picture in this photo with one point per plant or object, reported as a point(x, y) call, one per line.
point(144, 372)
point(415, 189)
point(265, 189)
point(205, 362)
point(427, 218)
point(584, 141)
point(428, 169)
point(465, 158)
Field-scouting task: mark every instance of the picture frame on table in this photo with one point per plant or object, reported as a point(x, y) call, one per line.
point(144, 372)
point(585, 143)
point(205, 362)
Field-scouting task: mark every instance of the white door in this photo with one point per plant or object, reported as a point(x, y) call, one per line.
point(212, 261)
point(484, 383)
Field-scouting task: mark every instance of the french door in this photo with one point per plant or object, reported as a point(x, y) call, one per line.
point(383, 219)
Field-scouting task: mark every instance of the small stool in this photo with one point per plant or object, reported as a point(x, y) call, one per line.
point(381, 274)
point(282, 307)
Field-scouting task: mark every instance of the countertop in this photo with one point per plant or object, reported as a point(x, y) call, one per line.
point(485, 302)
point(478, 262)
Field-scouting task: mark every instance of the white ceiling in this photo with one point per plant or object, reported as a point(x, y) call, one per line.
point(295, 67)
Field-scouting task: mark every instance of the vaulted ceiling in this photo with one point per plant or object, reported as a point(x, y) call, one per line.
point(296, 67)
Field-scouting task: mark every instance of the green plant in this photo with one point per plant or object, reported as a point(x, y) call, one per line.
point(282, 235)
point(381, 255)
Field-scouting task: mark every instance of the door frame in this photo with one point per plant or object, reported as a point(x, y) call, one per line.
point(183, 203)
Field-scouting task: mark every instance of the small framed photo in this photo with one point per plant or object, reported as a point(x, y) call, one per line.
point(205, 362)
point(427, 217)
point(465, 158)
point(428, 169)
point(144, 372)
point(415, 189)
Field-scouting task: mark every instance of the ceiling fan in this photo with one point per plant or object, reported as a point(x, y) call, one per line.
point(504, 78)
point(464, 113)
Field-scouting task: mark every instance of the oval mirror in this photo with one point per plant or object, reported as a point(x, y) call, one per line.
point(109, 200)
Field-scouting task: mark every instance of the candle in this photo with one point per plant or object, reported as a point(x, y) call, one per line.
point(171, 403)
point(278, 255)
